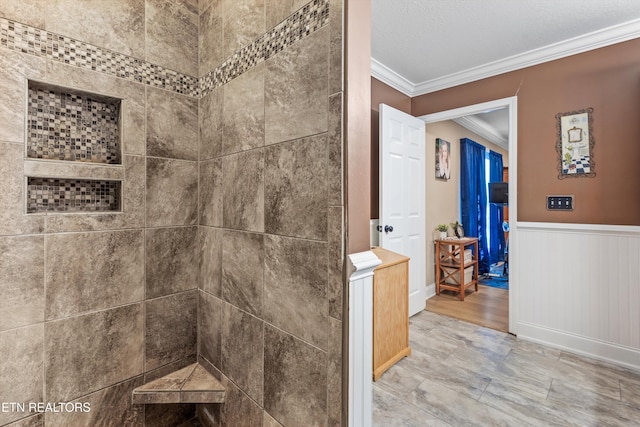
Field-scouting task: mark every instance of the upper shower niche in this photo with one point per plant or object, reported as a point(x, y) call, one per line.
point(66, 124)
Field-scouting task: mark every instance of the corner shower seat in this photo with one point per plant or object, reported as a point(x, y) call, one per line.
point(192, 384)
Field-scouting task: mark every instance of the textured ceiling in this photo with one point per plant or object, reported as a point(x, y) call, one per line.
point(423, 40)
point(426, 45)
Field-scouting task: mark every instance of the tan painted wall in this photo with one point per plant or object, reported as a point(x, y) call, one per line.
point(605, 79)
point(443, 197)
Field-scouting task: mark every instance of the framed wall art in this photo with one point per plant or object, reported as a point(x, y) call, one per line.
point(575, 144)
point(443, 159)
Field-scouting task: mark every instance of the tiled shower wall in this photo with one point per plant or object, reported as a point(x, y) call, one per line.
point(229, 244)
point(270, 211)
point(94, 304)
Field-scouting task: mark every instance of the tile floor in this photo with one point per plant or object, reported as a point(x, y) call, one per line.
point(463, 374)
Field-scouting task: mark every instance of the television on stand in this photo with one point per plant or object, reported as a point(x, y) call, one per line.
point(499, 193)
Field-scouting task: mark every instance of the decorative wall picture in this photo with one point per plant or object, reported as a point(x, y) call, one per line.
point(575, 143)
point(443, 159)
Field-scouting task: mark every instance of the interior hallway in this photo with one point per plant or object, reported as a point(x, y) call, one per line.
point(463, 374)
point(488, 307)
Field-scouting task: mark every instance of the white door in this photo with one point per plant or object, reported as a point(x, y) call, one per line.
point(402, 196)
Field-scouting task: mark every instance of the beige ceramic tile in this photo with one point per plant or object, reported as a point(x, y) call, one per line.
point(211, 192)
point(172, 125)
point(210, 117)
point(336, 53)
point(93, 271)
point(172, 36)
point(30, 12)
point(336, 256)
point(295, 288)
point(296, 185)
point(33, 421)
point(172, 192)
point(210, 328)
point(171, 329)
point(171, 260)
point(17, 68)
point(210, 35)
point(238, 409)
point(243, 193)
point(21, 369)
point(334, 373)
point(296, 90)
point(278, 10)
point(89, 352)
point(335, 166)
point(295, 379)
point(115, 25)
point(243, 270)
point(21, 281)
point(243, 112)
point(110, 407)
point(210, 259)
point(243, 22)
point(242, 351)
point(13, 217)
point(269, 421)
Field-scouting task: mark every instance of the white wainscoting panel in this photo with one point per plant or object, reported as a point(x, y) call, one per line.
point(361, 338)
point(578, 288)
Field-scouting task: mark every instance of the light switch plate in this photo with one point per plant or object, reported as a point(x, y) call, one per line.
point(559, 203)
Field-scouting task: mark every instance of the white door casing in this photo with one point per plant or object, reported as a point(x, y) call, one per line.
point(402, 196)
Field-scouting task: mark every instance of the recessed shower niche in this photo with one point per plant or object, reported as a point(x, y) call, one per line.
point(70, 127)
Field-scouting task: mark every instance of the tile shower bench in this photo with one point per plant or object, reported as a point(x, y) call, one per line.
point(192, 384)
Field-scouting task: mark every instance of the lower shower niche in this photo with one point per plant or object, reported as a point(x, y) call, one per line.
point(65, 195)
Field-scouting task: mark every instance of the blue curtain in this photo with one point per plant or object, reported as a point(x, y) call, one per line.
point(496, 212)
point(473, 197)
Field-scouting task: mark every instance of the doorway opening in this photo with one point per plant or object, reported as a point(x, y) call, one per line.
point(493, 307)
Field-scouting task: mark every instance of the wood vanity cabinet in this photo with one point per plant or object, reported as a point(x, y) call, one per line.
point(390, 310)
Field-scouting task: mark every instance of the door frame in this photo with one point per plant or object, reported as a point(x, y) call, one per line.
point(512, 104)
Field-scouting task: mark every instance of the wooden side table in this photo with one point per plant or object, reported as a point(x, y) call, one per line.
point(450, 264)
point(390, 310)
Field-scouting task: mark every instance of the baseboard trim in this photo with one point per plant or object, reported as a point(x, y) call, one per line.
point(431, 291)
point(604, 351)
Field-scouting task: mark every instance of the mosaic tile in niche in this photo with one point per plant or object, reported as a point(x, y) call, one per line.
point(72, 195)
point(69, 125)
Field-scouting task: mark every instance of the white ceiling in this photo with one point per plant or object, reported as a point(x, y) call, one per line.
point(425, 45)
point(421, 46)
point(491, 125)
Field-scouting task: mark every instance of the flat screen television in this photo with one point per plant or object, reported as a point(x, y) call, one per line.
point(499, 192)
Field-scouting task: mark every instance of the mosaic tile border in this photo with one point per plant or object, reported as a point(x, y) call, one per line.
point(297, 26)
point(26, 39)
point(33, 41)
point(72, 125)
point(72, 195)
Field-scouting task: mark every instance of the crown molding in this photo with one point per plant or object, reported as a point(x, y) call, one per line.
point(482, 129)
point(389, 77)
point(584, 43)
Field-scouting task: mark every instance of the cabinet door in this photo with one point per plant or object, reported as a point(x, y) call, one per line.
point(390, 313)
